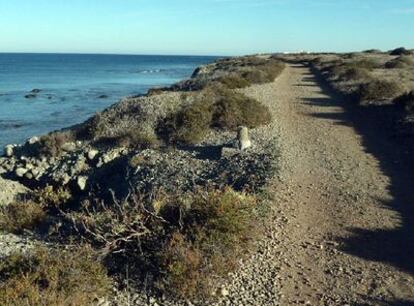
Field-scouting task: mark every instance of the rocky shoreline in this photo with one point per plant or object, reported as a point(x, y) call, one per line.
point(95, 160)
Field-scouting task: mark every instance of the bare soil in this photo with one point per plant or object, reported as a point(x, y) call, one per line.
point(344, 220)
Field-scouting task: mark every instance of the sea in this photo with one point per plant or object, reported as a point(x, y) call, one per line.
point(40, 93)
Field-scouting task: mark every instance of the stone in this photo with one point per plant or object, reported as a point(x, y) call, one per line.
point(69, 147)
point(28, 175)
point(92, 154)
point(82, 181)
point(20, 172)
point(224, 292)
point(243, 138)
point(9, 150)
point(33, 140)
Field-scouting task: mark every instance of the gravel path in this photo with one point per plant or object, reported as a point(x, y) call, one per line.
point(342, 235)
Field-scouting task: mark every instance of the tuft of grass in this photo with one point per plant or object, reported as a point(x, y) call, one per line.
point(20, 216)
point(378, 90)
point(53, 277)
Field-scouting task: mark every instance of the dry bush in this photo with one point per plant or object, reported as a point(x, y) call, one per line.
point(355, 74)
point(214, 232)
point(214, 107)
point(52, 197)
point(233, 81)
point(368, 64)
point(52, 277)
point(52, 144)
point(183, 241)
point(400, 62)
point(378, 90)
point(20, 216)
point(137, 140)
point(233, 109)
point(264, 73)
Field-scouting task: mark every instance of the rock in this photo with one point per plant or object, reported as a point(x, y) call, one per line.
point(103, 97)
point(224, 292)
point(92, 154)
point(33, 140)
point(69, 147)
point(20, 172)
point(82, 181)
point(30, 96)
point(36, 90)
point(10, 190)
point(9, 150)
point(28, 175)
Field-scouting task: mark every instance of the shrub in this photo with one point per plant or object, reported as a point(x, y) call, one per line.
point(52, 197)
point(137, 140)
point(378, 90)
point(233, 81)
point(372, 51)
point(214, 107)
point(399, 62)
point(368, 64)
point(355, 74)
point(20, 216)
point(52, 144)
point(52, 277)
point(264, 73)
point(216, 230)
point(183, 241)
point(233, 109)
point(400, 51)
point(406, 101)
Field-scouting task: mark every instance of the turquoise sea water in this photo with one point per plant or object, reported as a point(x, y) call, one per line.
point(74, 86)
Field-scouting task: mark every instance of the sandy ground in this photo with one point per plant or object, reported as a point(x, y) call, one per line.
point(343, 221)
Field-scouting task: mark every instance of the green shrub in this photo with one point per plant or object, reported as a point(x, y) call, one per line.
point(20, 216)
point(378, 90)
point(52, 277)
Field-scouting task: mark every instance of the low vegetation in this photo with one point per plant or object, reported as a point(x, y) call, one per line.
point(378, 90)
point(406, 101)
point(400, 62)
point(53, 144)
point(214, 107)
point(187, 242)
point(53, 277)
point(20, 216)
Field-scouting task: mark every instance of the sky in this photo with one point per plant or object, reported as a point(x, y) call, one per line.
point(204, 27)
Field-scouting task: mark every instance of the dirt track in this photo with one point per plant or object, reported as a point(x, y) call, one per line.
point(343, 219)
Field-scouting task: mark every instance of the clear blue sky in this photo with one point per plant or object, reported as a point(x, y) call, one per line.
point(222, 27)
